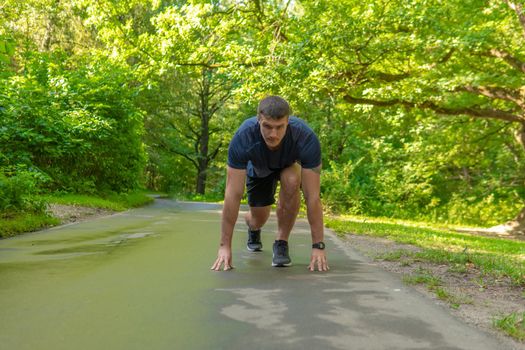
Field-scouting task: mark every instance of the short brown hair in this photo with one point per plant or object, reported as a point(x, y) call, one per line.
point(274, 107)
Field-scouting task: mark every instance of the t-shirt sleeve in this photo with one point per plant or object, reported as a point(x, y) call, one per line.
point(237, 156)
point(310, 152)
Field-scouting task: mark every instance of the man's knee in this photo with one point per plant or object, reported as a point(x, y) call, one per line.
point(291, 185)
point(291, 179)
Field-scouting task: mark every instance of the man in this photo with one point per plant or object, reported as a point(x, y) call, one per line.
point(266, 149)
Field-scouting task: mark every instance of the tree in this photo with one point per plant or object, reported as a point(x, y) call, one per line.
point(460, 59)
point(184, 55)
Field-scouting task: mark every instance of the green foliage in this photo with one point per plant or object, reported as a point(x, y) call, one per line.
point(83, 84)
point(18, 191)
point(7, 50)
point(75, 122)
point(389, 163)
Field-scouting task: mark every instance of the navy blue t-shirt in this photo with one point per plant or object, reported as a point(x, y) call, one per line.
point(248, 150)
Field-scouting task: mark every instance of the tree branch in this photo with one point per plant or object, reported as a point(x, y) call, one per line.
point(470, 111)
point(507, 57)
point(215, 152)
point(387, 77)
point(197, 135)
point(219, 103)
point(171, 124)
point(495, 93)
point(493, 132)
point(168, 148)
point(447, 56)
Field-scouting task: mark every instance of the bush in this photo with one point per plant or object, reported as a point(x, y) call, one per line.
point(74, 120)
point(18, 193)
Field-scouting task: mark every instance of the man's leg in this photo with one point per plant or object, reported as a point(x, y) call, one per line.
point(289, 201)
point(287, 209)
point(261, 196)
point(257, 217)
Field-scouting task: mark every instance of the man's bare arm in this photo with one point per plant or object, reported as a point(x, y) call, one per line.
point(232, 198)
point(311, 184)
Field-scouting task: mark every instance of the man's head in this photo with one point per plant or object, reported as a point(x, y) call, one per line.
point(273, 113)
point(274, 107)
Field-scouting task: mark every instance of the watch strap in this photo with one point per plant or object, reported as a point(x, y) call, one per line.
point(319, 245)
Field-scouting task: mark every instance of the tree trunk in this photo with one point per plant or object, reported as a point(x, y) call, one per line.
point(204, 132)
point(517, 225)
point(201, 179)
point(203, 155)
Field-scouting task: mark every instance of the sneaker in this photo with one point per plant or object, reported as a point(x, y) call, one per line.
point(280, 254)
point(254, 241)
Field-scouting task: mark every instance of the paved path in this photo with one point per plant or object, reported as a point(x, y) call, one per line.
point(141, 280)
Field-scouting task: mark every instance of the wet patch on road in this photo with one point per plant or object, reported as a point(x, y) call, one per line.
point(261, 308)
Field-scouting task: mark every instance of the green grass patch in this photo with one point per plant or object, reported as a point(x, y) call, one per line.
point(84, 200)
point(434, 284)
point(132, 199)
point(423, 276)
point(14, 224)
point(496, 256)
point(458, 268)
point(25, 222)
point(513, 324)
point(404, 257)
point(195, 197)
point(454, 301)
point(116, 202)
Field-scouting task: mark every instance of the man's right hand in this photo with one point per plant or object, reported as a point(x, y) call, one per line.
point(224, 256)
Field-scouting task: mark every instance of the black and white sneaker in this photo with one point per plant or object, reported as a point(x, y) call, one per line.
point(281, 257)
point(254, 241)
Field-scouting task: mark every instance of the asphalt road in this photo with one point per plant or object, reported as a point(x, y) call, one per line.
point(142, 280)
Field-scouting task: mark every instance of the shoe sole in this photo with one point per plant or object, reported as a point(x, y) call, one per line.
point(281, 265)
point(254, 249)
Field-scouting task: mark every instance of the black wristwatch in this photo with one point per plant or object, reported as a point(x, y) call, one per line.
point(319, 245)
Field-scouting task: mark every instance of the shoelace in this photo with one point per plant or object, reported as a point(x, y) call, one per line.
point(281, 248)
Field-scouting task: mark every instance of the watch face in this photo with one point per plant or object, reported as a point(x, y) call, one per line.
point(319, 245)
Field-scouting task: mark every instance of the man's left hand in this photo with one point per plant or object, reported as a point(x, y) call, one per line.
point(318, 259)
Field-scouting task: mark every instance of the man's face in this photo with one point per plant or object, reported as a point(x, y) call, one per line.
point(273, 130)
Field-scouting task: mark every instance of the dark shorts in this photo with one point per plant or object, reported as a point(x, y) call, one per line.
point(261, 190)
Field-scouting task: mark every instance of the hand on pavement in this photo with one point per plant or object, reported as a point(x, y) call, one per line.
point(224, 257)
point(318, 259)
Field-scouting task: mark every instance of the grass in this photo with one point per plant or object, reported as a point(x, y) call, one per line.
point(28, 222)
point(453, 300)
point(423, 276)
point(492, 256)
point(513, 324)
point(116, 202)
point(496, 256)
point(434, 284)
point(195, 197)
point(395, 255)
point(25, 222)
